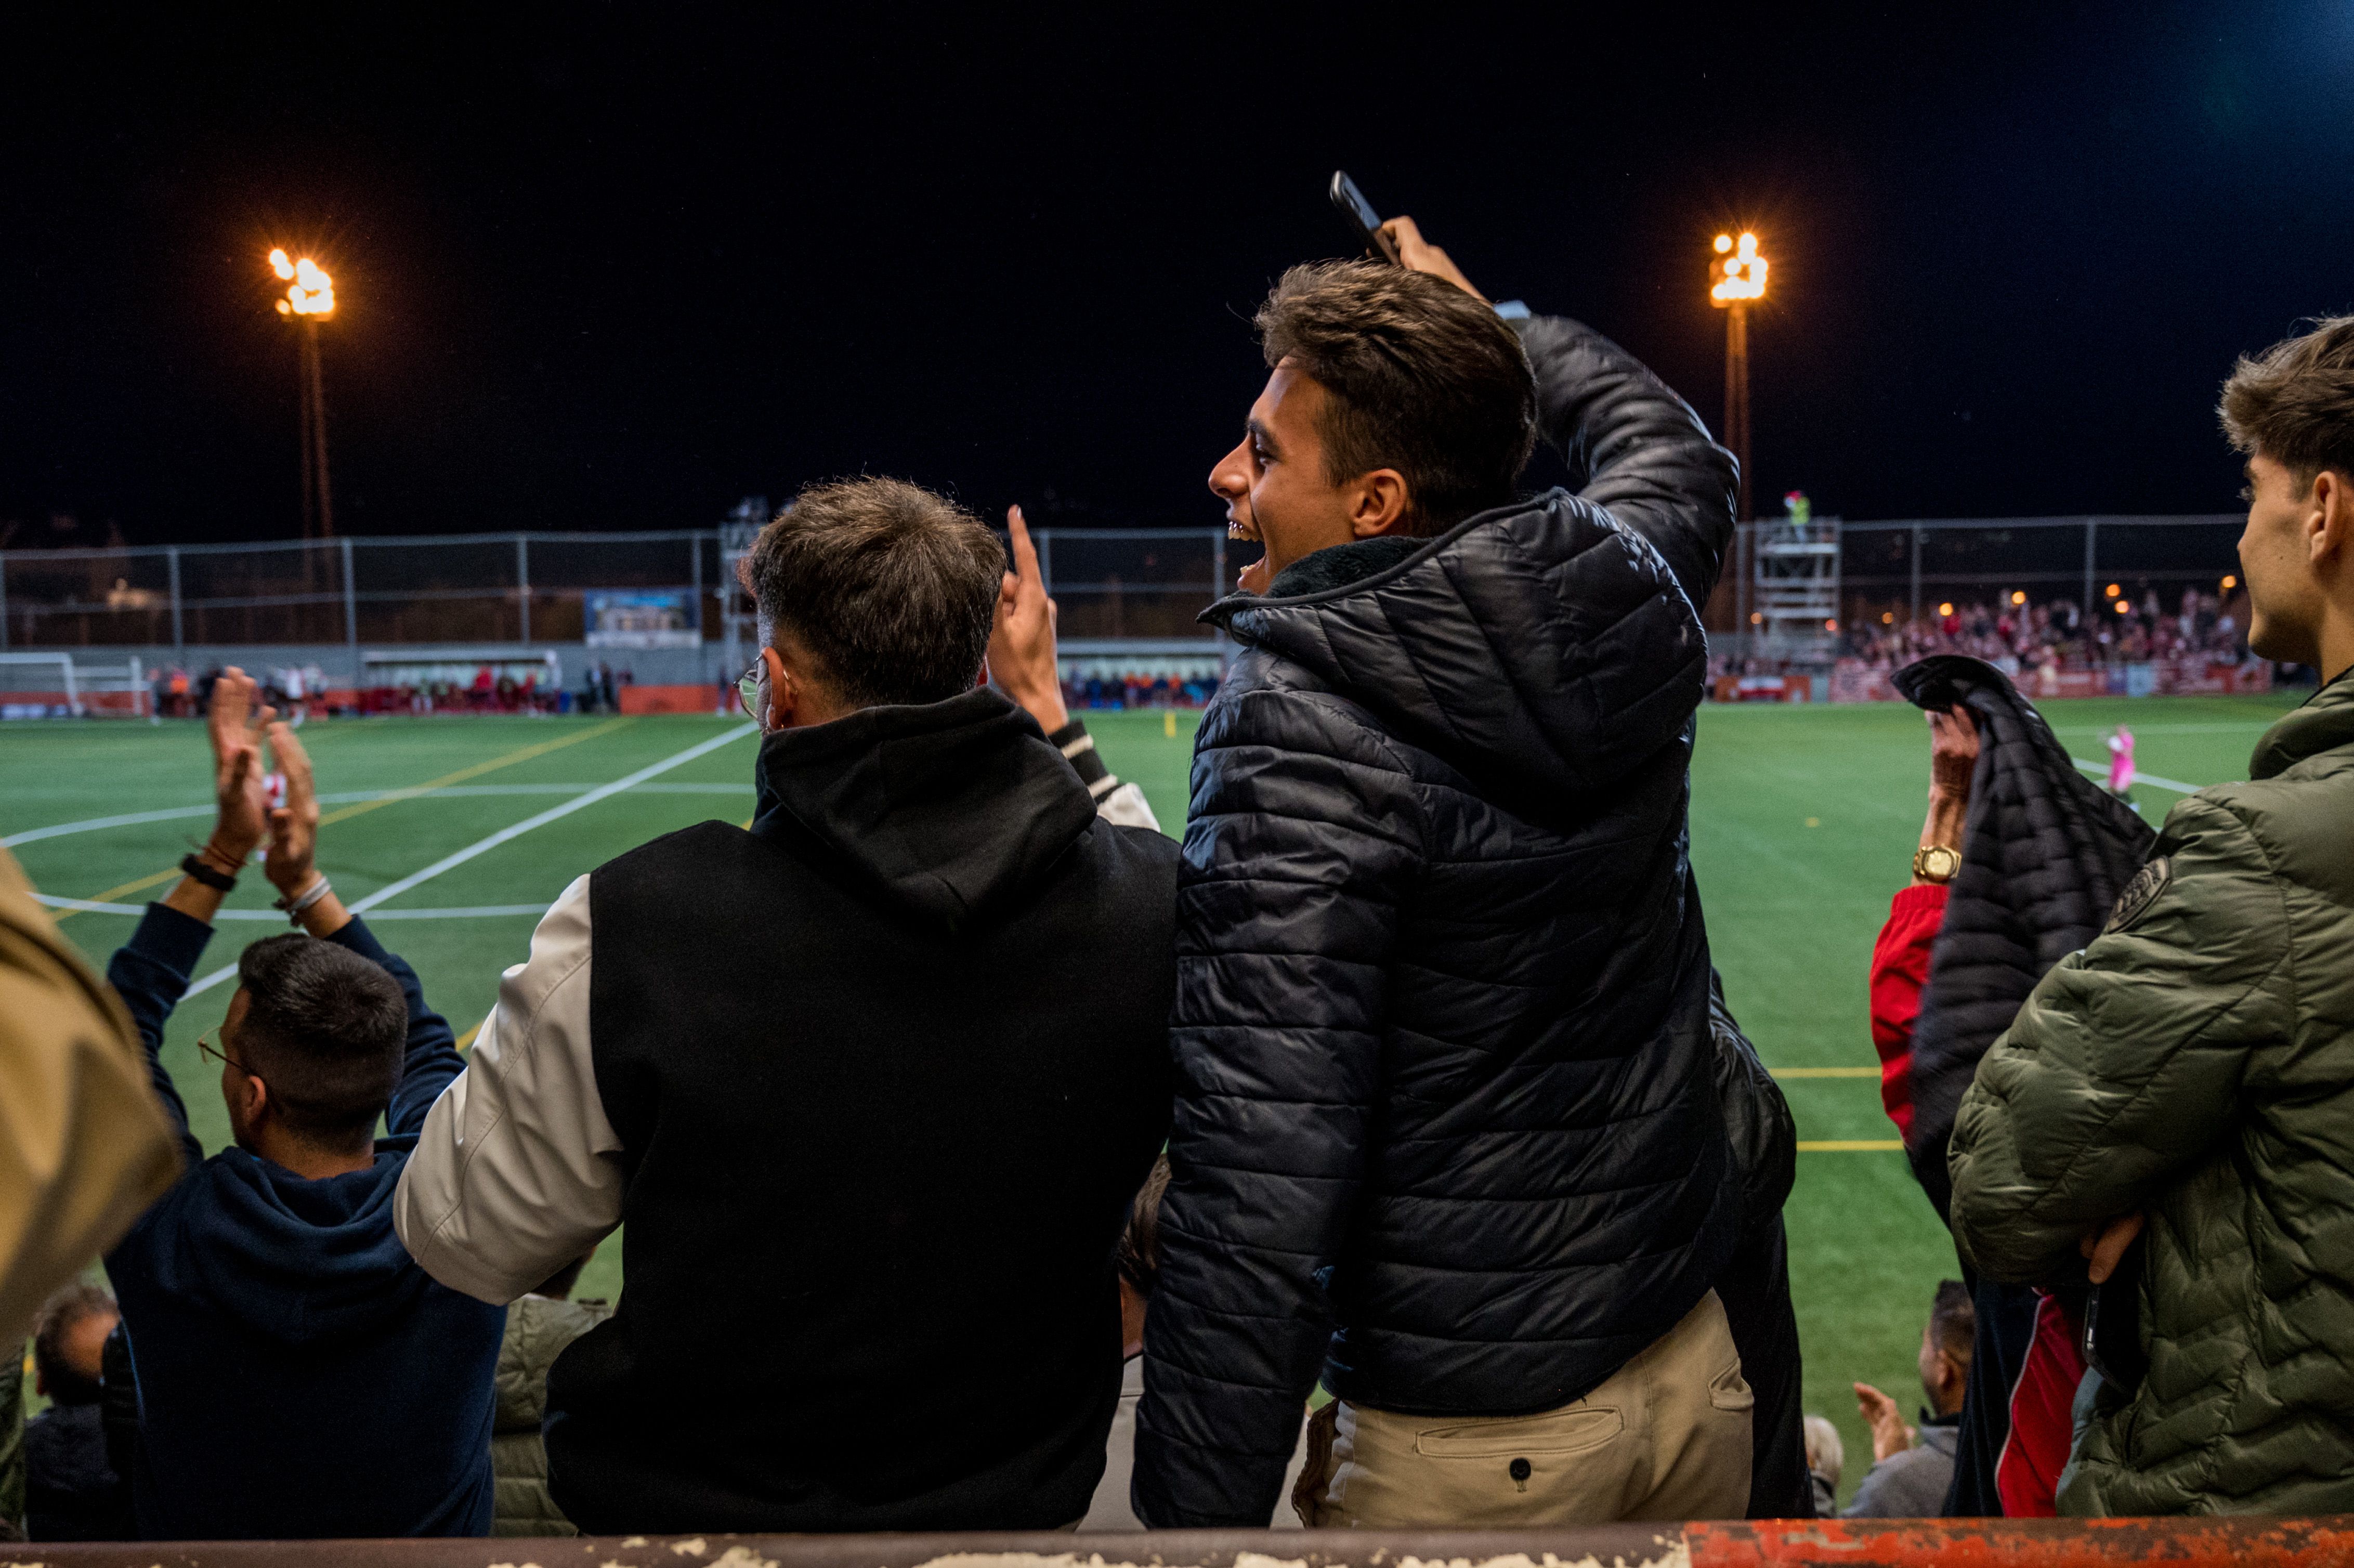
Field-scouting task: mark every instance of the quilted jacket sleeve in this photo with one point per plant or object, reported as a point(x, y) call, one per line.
point(1301, 849)
point(1647, 458)
point(2126, 1063)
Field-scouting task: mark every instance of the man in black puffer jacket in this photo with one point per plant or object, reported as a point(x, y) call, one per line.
point(1448, 1129)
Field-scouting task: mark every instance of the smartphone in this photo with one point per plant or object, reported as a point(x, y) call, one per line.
point(1359, 215)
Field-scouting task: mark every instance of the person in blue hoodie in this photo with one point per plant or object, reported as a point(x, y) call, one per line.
point(298, 1375)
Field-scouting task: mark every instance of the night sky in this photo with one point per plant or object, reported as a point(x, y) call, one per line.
point(616, 267)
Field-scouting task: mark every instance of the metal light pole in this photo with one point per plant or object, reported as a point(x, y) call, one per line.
point(1740, 277)
point(309, 298)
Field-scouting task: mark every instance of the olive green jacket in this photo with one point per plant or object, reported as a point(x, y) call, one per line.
point(2196, 1064)
point(538, 1330)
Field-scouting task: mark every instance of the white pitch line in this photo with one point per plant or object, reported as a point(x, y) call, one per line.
point(484, 846)
point(353, 797)
point(2101, 770)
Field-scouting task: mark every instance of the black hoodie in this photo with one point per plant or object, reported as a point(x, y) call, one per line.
point(886, 1070)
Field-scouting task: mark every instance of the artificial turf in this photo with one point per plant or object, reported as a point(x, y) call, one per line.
point(1803, 821)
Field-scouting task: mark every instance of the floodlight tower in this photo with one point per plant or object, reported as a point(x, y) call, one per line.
point(1740, 277)
point(310, 300)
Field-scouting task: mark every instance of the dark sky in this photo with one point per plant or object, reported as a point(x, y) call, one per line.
point(614, 267)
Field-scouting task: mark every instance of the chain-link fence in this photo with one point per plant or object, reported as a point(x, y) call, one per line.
point(468, 588)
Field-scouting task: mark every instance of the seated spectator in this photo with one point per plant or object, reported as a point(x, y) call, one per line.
point(540, 1324)
point(298, 1376)
point(1911, 1471)
point(71, 1492)
point(1826, 1457)
point(914, 1020)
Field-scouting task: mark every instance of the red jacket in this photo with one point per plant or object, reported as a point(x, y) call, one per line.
point(1900, 968)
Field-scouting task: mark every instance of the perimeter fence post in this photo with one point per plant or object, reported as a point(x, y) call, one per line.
point(351, 610)
point(1046, 560)
point(1916, 614)
point(4, 603)
point(2091, 530)
point(172, 557)
point(695, 558)
point(523, 586)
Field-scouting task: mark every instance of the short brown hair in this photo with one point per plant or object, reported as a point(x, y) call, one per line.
point(889, 588)
point(1422, 377)
point(2295, 401)
point(327, 1029)
point(1954, 1320)
point(1138, 1252)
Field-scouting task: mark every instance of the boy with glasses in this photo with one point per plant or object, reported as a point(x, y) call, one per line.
point(298, 1376)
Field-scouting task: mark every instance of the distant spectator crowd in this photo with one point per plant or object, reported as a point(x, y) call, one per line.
point(2059, 632)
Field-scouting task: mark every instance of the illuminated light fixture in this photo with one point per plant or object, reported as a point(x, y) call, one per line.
point(2113, 590)
point(2231, 583)
point(2017, 598)
point(1744, 271)
point(313, 292)
point(1887, 618)
point(1756, 617)
point(1831, 626)
point(2123, 609)
point(1945, 609)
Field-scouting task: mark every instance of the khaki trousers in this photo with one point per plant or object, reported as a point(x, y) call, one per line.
point(1664, 1437)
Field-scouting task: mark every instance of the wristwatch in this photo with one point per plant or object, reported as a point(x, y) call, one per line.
point(1937, 863)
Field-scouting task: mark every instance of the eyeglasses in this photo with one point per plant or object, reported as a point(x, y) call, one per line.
point(207, 1042)
point(747, 689)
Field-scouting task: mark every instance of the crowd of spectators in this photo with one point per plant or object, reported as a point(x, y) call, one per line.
point(1136, 690)
point(2058, 633)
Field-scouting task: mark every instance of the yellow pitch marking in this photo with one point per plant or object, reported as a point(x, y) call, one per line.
point(468, 1038)
point(476, 771)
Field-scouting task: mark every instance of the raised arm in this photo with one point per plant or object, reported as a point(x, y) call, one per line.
point(1646, 457)
point(1297, 861)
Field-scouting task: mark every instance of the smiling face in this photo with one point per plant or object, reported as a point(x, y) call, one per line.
point(1273, 481)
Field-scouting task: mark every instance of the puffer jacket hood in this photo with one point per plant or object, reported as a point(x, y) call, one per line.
point(1448, 1123)
point(1504, 645)
point(308, 1264)
point(916, 800)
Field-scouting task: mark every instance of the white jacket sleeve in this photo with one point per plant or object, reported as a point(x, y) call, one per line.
point(518, 1171)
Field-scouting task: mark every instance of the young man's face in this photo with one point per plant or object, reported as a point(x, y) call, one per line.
point(1273, 481)
point(1275, 486)
point(2285, 603)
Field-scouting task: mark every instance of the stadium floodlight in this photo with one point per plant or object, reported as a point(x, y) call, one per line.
point(1742, 280)
point(2231, 583)
point(309, 298)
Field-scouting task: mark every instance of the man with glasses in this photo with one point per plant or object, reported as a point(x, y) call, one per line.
point(298, 1375)
point(871, 1083)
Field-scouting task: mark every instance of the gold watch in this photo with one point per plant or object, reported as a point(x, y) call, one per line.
point(1937, 863)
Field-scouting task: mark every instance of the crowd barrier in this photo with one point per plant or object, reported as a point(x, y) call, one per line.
point(2259, 1542)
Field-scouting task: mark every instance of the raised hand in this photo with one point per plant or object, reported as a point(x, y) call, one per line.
point(294, 826)
point(1420, 255)
point(1953, 753)
point(1022, 640)
point(242, 799)
point(1889, 1432)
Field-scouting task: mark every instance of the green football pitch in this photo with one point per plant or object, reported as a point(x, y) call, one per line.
point(1803, 821)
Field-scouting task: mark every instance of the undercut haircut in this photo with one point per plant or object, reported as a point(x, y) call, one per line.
point(889, 588)
point(2295, 402)
point(1419, 376)
point(324, 1029)
point(61, 1314)
point(1953, 1321)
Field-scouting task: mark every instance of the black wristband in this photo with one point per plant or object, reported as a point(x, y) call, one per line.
point(202, 872)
